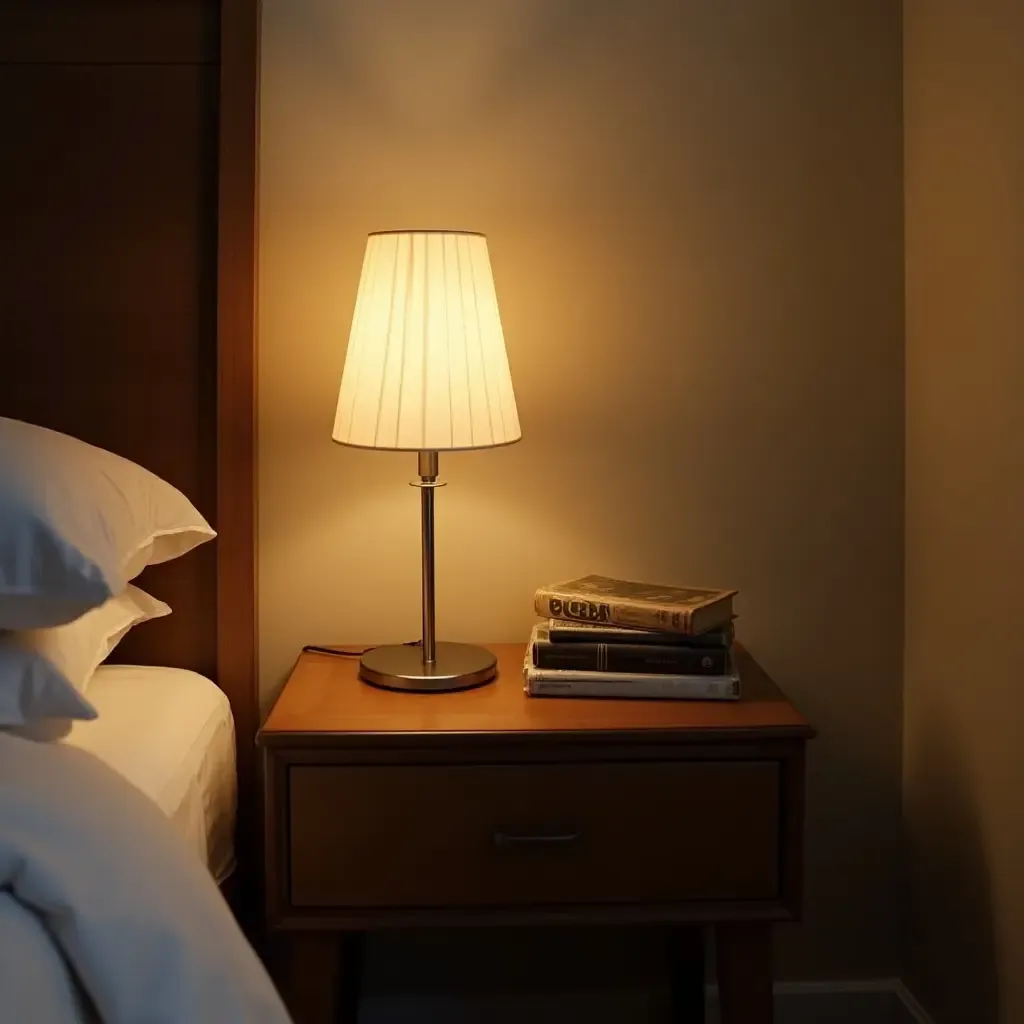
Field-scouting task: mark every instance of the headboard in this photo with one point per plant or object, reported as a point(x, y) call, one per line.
point(127, 283)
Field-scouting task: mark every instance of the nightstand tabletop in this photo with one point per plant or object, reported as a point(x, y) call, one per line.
point(324, 697)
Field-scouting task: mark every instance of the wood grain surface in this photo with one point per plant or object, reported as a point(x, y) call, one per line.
point(506, 835)
point(325, 697)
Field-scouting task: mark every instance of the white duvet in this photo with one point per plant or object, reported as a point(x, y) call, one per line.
point(105, 914)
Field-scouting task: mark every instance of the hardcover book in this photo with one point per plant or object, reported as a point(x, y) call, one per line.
point(541, 682)
point(600, 599)
point(657, 659)
point(563, 631)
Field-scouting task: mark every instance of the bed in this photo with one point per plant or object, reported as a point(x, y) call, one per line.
point(127, 308)
point(186, 766)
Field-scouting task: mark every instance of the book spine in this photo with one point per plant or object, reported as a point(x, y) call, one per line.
point(643, 658)
point(558, 604)
point(653, 689)
point(561, 631)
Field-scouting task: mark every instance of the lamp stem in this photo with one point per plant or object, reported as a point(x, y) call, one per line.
point(428, 479)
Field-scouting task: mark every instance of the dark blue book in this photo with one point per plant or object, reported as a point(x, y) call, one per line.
point(593, 655)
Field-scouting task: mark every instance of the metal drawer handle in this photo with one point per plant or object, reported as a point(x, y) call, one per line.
point(540, 839)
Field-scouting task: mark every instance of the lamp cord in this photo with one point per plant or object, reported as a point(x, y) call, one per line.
point(339, 652)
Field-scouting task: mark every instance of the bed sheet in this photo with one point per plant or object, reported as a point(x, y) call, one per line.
point(171, 734)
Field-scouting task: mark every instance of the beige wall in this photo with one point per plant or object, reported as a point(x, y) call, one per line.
point(964, 767)
point(695, 215)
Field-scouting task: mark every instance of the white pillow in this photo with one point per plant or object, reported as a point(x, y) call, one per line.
point(44, 672)
point(77, 523)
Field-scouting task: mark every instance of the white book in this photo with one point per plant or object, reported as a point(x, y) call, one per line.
point(544, 682)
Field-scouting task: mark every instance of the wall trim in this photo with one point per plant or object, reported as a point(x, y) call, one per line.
point(862, 1001)
point(918, 1014)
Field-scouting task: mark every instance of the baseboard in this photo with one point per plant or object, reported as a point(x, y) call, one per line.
point(882, 1001)
point(871, 1001)
point(914, 1012)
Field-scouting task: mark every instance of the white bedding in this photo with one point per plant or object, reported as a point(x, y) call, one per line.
point(170, 733)
point(105, 915)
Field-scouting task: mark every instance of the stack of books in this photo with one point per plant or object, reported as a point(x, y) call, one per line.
point(603, 637)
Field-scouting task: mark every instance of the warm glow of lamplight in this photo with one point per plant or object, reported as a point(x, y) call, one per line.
point(426, 368)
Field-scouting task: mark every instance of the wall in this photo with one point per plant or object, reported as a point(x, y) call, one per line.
point(695, 215)
point(964, 773)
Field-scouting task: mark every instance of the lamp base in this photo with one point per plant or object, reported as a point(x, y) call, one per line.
point(401, 667)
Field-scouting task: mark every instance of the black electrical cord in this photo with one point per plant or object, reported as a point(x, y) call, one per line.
point(339, 652)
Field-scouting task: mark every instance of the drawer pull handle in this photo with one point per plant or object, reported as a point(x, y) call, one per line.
point(539, 839)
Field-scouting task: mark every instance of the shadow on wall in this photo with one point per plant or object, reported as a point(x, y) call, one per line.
point(380, 52)
point(951, 964)
point(553, 975)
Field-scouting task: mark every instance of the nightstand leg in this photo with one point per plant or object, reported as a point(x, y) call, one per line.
point(744, 958)
point(686, 975)
point(319, 975)
point(351, 954)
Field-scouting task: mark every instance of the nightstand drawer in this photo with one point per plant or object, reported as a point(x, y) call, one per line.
point(508, 835)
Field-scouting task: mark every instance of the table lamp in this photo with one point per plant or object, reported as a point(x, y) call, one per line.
point(426, 371)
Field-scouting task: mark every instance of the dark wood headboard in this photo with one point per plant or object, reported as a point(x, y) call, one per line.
point(127, 283)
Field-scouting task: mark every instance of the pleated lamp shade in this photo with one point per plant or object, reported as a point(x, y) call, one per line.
point(426, 367)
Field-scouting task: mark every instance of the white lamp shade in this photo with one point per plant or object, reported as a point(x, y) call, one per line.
point(426, 367)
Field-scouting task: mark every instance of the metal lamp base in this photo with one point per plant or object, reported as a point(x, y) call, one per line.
point(401, 667)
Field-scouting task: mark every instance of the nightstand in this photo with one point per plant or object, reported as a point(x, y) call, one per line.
point(389, 809)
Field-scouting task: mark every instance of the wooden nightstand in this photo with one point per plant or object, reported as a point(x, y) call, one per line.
point(489, 807)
